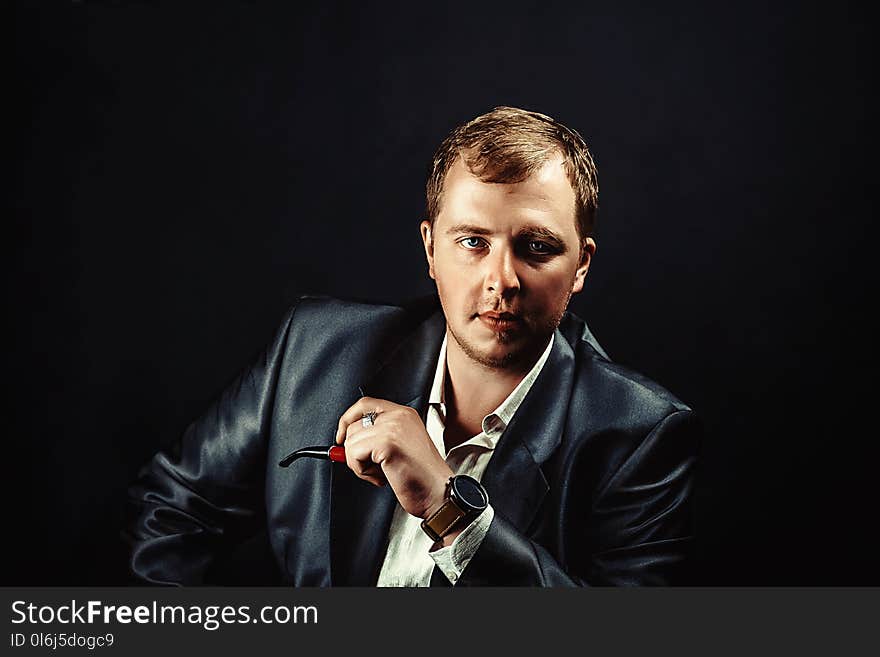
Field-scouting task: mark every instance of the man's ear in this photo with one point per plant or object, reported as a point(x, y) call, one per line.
point(428, 241)
point(588, 250)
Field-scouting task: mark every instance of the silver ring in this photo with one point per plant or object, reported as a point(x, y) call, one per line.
point(369, 419)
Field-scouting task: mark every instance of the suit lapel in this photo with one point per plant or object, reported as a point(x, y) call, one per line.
point(513, 478)
point(360, 514)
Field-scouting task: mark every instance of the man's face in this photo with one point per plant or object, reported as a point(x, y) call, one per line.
point(506, 259)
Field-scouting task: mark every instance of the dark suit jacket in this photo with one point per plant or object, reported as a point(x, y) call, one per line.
point(591, 482)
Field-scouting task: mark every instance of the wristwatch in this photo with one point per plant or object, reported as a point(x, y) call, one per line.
point(465, 500)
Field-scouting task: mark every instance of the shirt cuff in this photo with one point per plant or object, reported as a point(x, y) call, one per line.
point(453, 559)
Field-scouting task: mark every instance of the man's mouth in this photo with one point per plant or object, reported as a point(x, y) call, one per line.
point(500, 321)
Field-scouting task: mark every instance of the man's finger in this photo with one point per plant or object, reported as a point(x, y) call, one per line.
point(356, 412)
point(340, 431)
point(358, 457)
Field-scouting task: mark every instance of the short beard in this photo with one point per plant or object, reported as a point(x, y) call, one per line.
point(523, 358)
point(508, 361)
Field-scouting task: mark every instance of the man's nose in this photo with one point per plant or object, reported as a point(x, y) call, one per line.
point(501, 277)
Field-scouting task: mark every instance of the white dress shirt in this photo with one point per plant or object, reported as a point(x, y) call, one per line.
point(409, 560)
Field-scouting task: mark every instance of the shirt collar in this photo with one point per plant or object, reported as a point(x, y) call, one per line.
point(496, 421)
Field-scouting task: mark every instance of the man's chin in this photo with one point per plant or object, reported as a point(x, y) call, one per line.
point(494, 361)
point(501, 351)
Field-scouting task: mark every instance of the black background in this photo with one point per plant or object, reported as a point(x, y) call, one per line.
point(181, 175)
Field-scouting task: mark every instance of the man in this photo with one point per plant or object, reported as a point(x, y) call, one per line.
point(489, 442)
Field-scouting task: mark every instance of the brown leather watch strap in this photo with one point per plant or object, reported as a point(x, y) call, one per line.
point(443, 520)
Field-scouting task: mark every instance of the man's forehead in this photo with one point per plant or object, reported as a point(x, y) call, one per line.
point(547, 190)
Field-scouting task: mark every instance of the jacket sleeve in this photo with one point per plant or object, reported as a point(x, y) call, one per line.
point(635, 531)
point(196, 500)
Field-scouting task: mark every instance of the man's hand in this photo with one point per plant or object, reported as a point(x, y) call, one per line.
point(396, 449)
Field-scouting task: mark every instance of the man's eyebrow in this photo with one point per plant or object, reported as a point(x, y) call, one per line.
point(543, 233)
point(471, 229)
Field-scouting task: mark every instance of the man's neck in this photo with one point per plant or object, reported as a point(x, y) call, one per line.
point(474, 390)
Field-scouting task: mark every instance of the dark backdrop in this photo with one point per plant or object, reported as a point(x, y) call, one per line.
point(180, 176)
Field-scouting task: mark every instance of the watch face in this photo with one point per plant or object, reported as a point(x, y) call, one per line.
point(470, 492)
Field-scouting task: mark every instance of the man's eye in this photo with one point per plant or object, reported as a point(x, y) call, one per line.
point(539, 247)
point(471, 242)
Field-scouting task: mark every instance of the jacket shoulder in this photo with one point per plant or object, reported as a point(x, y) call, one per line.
point(344, 328)
point(324, 306)
point(311, 308)
point(328, 318)
point(613, 386)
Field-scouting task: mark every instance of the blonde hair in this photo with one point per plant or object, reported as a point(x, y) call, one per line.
point(509, 144)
